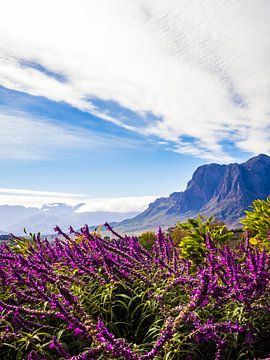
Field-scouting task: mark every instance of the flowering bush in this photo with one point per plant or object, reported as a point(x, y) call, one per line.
point(84, 297)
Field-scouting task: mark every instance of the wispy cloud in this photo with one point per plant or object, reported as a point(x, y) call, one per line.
point(27, 137)
point(43, 194)
point(195, 72)
point(32, 198)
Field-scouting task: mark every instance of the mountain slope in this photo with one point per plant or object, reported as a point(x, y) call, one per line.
point(224, 191)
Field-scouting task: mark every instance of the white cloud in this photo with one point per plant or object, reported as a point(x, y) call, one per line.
point(121, 204)
point(201, 67)
point(34, 193)
point(32, 198)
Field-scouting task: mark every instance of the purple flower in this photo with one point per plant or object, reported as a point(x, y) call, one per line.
point(55, 345)
point(78, 331)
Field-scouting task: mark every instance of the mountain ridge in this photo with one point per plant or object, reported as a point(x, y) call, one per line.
point(223, 191)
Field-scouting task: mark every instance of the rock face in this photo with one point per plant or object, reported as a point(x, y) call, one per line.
point(224, 191)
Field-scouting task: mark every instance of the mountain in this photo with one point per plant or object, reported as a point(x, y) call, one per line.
point(10, 214)
point(224, 191)
point(15, 218)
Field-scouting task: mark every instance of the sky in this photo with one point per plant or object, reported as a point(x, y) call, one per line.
point(116, 102)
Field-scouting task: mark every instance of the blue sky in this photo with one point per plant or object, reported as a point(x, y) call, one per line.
point(121, 163)
point(120, 101)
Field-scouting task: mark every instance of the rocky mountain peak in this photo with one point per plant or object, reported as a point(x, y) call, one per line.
point(224, 191)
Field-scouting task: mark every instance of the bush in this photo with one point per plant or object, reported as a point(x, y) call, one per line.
point(257, 222)
point(193, 246)
point(147, 239)
point(177, 234)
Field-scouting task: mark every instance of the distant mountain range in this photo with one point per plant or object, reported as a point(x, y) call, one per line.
point(224, 191)
point(15, 218)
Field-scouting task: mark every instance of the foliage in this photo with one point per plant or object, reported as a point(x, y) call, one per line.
point(84, 297)
point(198, 230)
point(257, 221)
point(177, 234)
point(147, 239)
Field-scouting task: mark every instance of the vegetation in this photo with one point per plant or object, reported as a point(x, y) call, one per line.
point(86, 297)
point(193, 243)
point(257, 222)
point(177, 234)
point(147, 239)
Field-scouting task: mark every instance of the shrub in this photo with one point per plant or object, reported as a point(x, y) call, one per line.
point(177, 234)
point(147, 239)
point(198, 230)
point(257, 222)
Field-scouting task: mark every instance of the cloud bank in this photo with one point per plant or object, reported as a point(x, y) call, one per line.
point(195, 73)
point(32, 198)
